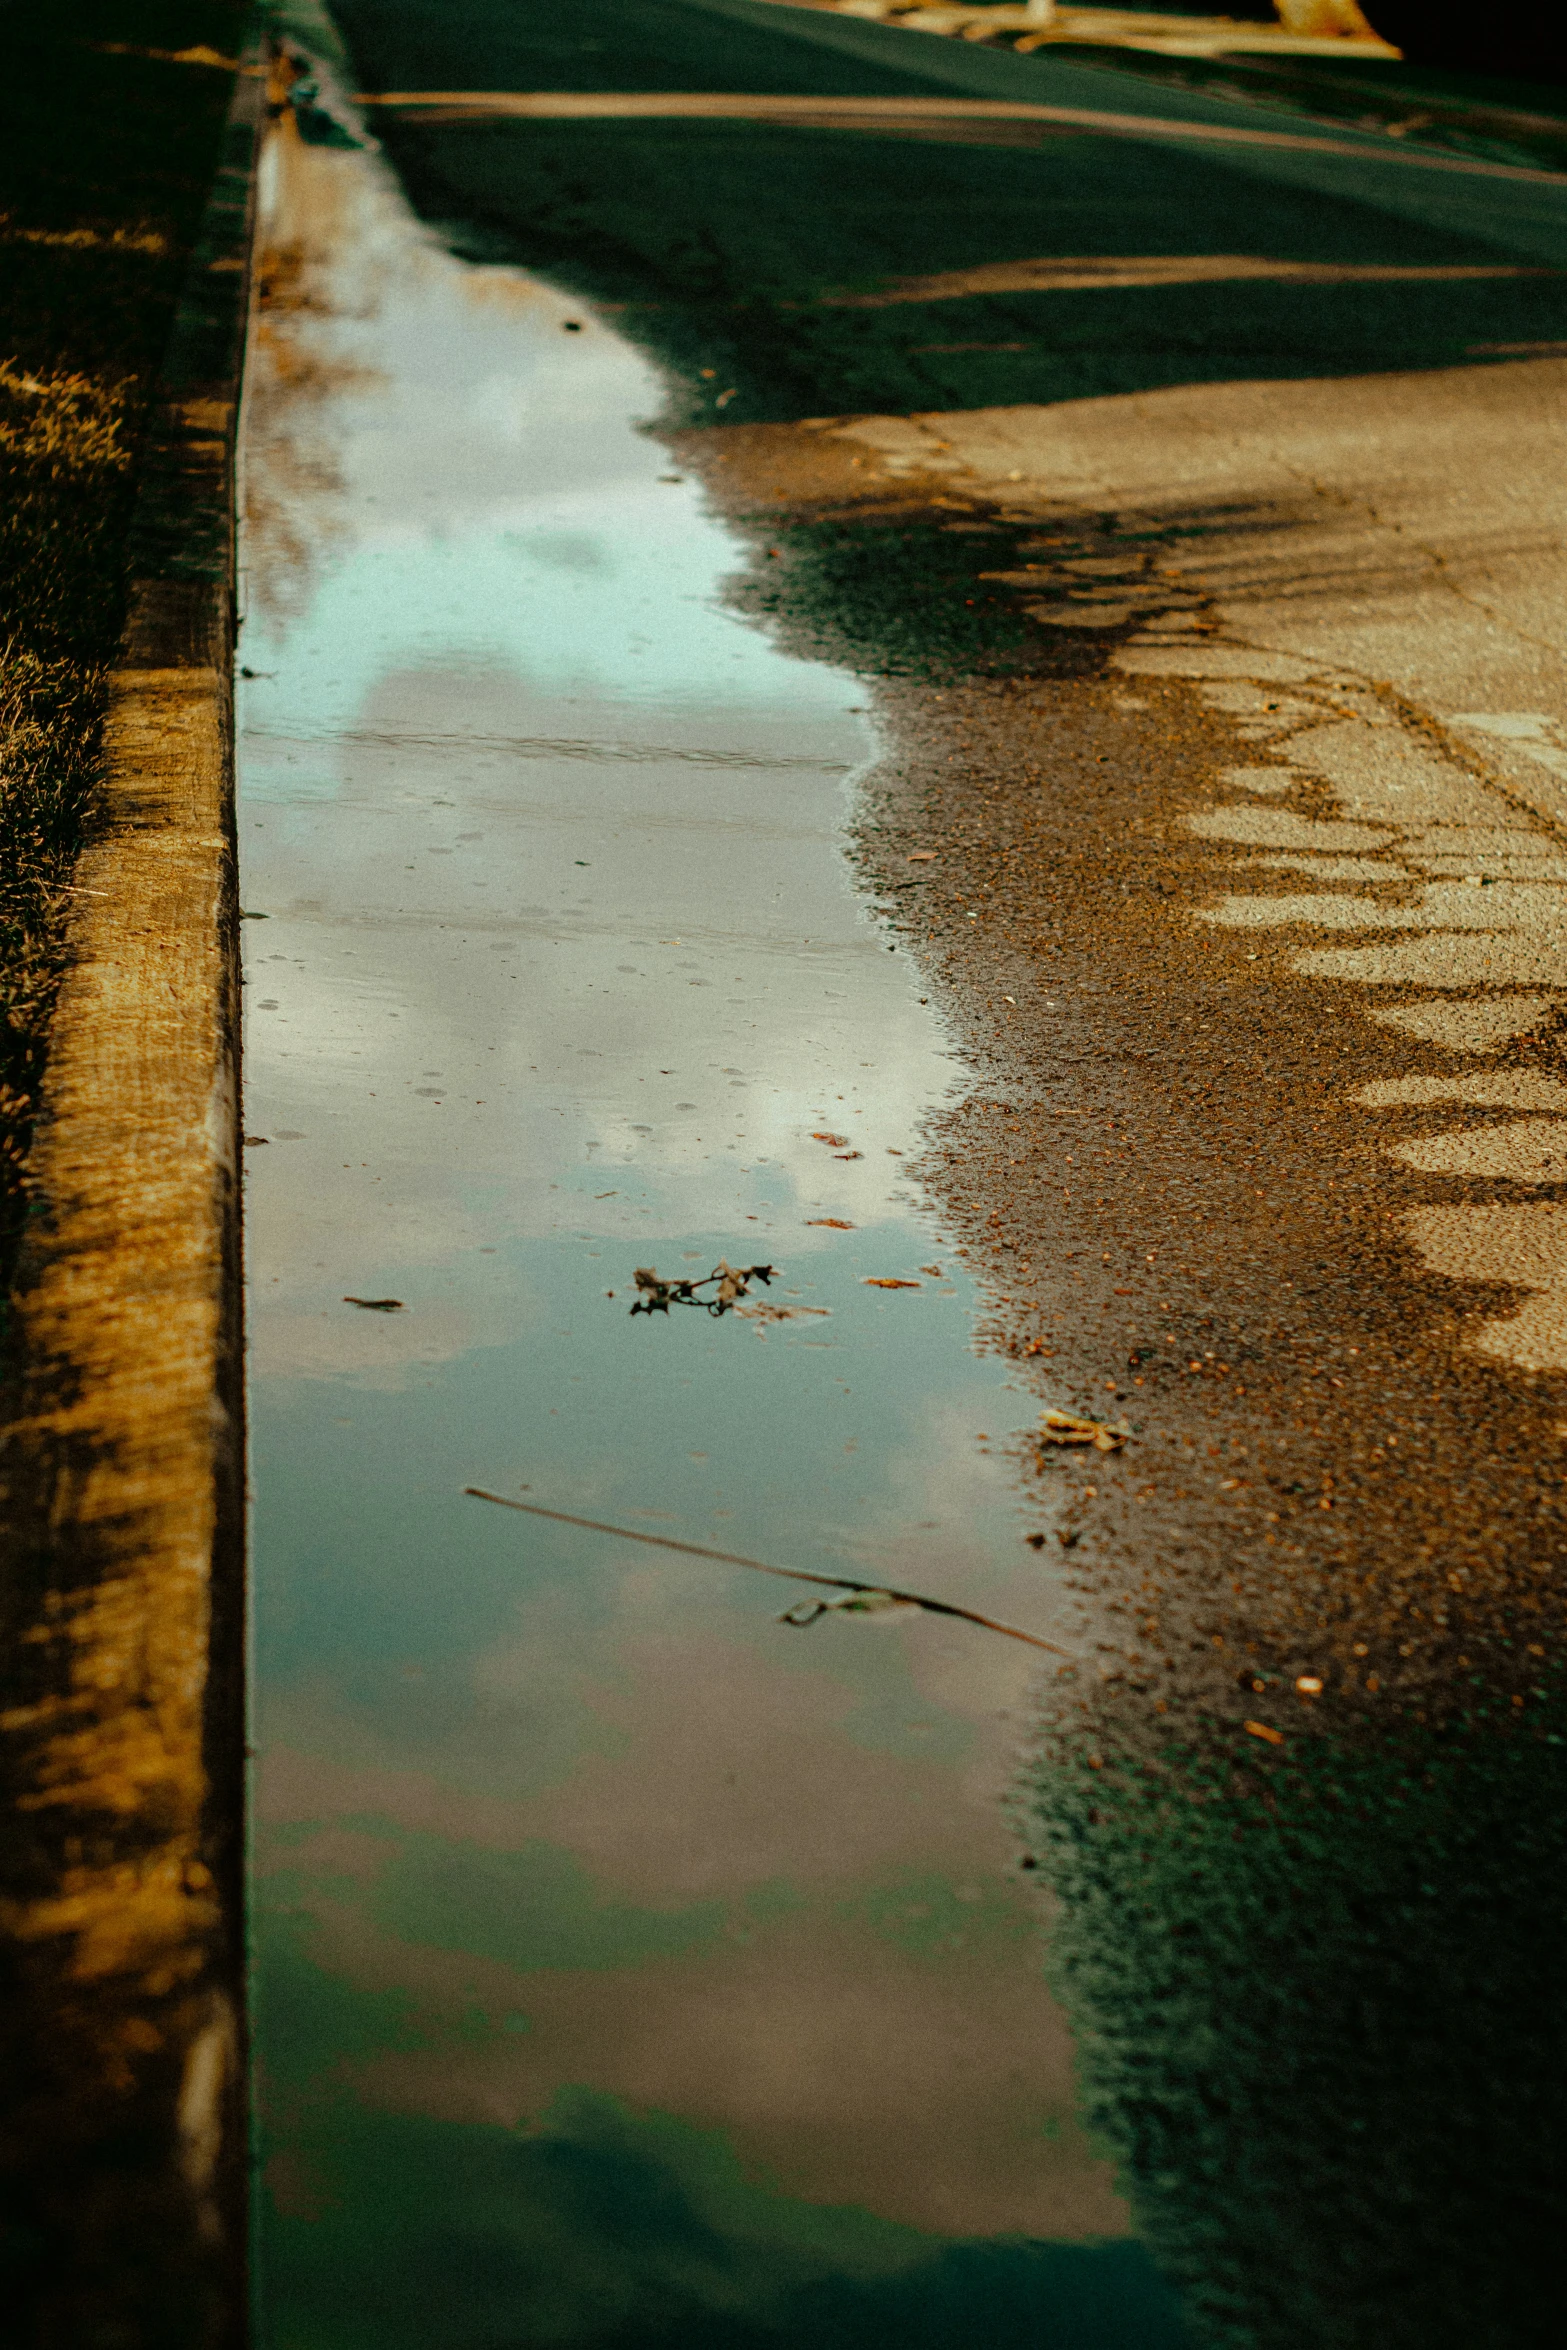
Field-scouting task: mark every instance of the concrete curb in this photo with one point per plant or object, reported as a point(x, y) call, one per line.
point(122, 2110)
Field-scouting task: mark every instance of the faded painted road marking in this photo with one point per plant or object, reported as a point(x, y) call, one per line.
point(1477, 898)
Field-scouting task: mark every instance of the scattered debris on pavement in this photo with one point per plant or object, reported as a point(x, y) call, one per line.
point(1069, 1428)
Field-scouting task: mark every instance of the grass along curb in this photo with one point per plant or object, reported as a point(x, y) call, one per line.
point(121, 1461)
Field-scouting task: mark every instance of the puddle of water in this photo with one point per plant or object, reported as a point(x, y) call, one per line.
point(630, 1967)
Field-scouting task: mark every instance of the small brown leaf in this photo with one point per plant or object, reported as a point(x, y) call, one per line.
point(1261, 1730)
point(731, 1284)
point(1070, 1428)
point(763, 1314)
point(849, 1603)
point(837, 1141)
point(833, 1223)
point(881, 1281)
point(376, 1305)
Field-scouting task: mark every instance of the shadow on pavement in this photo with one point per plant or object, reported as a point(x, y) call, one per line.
point(719, 246)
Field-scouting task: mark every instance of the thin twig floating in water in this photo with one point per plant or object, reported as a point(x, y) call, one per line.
point(733, 1283)
point(730, 1558)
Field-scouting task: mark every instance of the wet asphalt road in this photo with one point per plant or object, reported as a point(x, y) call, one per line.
point(1213, 625)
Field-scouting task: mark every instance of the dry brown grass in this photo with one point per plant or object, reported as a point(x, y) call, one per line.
point(66, 465)
point(108, 153)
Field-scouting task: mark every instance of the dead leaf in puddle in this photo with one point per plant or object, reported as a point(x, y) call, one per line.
point(729, 1282)
point(1261, 1730)
point(884, 1281)
point(256, 1142)
point(833, 1223)
point(376, 1305)
point(922, 856)
point(1069, 1428)
point(837, 1141)
point(762, 1313)
point(850, 1603)
point(848, 1154)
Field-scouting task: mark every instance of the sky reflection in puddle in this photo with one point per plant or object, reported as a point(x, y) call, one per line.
point(631, 1968)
